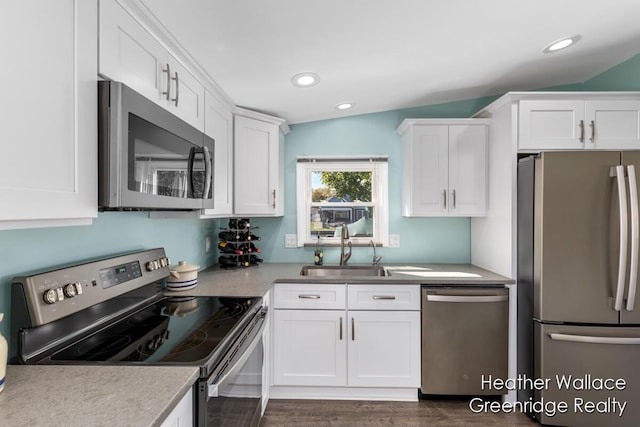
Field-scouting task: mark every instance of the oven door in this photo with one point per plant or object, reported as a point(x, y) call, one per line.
point(149, 158)
point(234, 390)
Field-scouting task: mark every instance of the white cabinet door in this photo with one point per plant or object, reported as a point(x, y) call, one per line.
point(309, 347)
point(426, 171)
point(612, 124)
point(257, 162)
point(579, 124)
point(445, 168)
point(48, 137)
point(129, 54)
point(384, 348)
point(186, 96)
point(218, 124)
point(467, 170)
point(182, 414)
point(551, 125)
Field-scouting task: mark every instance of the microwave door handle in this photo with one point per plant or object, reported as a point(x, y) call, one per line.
point(192, 156)
point(635, 237)
point(207, 172)
point(213, 388)
point(618, 172)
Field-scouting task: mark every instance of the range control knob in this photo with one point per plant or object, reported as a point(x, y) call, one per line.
point(50, 296)
point(152, 265)
point(70, 290)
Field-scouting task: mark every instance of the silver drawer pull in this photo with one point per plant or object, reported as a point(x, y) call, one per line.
point(384, 297)
point(478, 298)
point(308, 296)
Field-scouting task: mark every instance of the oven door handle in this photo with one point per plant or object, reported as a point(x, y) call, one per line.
point(238, 356)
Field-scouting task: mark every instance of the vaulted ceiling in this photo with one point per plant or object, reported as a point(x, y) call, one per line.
point(385, 55)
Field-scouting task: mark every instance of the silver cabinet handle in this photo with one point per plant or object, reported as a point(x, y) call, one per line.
point(274, 198)
point(353, 329)
point(340, 328)
point(384, 297)
point(594, 340)
point(444, 195)
point(175, 100)
point(592, 125)
point(167, 93)
point(474, 298)
point(308, 296)
point(581, 124)
point(454, 199)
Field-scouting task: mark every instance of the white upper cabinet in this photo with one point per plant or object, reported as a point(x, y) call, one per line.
point(218, 124)
point(48, 159)
point(574, 124)
point(445, 167)
point(258, 164)
point(128, 53)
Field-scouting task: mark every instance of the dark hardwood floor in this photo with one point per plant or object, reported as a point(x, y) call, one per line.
point(345, 413)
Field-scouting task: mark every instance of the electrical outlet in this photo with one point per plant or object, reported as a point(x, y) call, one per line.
point(290, 241)
point(207, 244)
point(394, 240)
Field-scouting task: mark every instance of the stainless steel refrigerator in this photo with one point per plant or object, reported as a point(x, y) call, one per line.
point(578, 314)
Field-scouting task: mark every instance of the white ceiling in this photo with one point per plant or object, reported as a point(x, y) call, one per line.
point(386, 55)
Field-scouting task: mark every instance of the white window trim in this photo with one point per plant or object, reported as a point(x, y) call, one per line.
point(379, 190)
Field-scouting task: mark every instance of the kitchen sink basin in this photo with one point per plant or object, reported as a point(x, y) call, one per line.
point(343, 270)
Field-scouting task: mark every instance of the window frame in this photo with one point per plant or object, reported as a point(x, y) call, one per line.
point(377, 165)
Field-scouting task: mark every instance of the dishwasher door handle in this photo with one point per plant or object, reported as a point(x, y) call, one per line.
point(467, 298)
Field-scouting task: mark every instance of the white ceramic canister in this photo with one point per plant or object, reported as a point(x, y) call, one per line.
point(3, 357)
point(182, 277)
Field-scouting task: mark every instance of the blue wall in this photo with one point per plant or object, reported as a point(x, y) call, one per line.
point(421, 239)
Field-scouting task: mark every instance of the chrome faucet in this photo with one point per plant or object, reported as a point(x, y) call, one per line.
point(344, 235)
point(376, 259)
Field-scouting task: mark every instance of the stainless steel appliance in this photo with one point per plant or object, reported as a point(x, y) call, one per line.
point(148, 157)
point(113, 311)
point(464, 339)
point(578, 326)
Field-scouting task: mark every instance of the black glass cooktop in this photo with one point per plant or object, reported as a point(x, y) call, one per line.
point(176, 330)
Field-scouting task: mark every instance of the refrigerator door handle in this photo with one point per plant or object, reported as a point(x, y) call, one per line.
point(618, 172)
point(594, 340)
point(635, 237)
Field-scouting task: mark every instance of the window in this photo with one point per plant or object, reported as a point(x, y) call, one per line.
point(337, 192)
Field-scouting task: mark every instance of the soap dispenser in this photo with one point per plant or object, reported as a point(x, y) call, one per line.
point(3, 357)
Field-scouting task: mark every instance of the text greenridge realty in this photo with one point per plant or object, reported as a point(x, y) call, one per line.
point(550, 408)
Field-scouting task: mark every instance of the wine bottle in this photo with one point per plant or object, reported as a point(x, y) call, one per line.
point(227, 262)
point(253, 248)
point(229, 235)
point(253, 237)
point(254, 260)
point(229, 248)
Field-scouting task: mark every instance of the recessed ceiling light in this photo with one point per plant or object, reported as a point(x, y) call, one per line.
point(345, 105)
point(305, 79)
point(561, 44)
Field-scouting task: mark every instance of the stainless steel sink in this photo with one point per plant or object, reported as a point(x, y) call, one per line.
point(343, 270)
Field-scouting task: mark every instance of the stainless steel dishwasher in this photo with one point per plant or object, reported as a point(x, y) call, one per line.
point(464, 337)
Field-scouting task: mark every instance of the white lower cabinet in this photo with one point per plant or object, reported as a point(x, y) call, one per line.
point(336, 343)
point(309, 348)
point(384, 349)
point(182, 414)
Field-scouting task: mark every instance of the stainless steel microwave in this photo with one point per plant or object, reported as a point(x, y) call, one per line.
point(149, 159)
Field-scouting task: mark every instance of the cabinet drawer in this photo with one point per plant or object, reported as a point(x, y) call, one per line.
point(384, 297)
point(310, 296)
